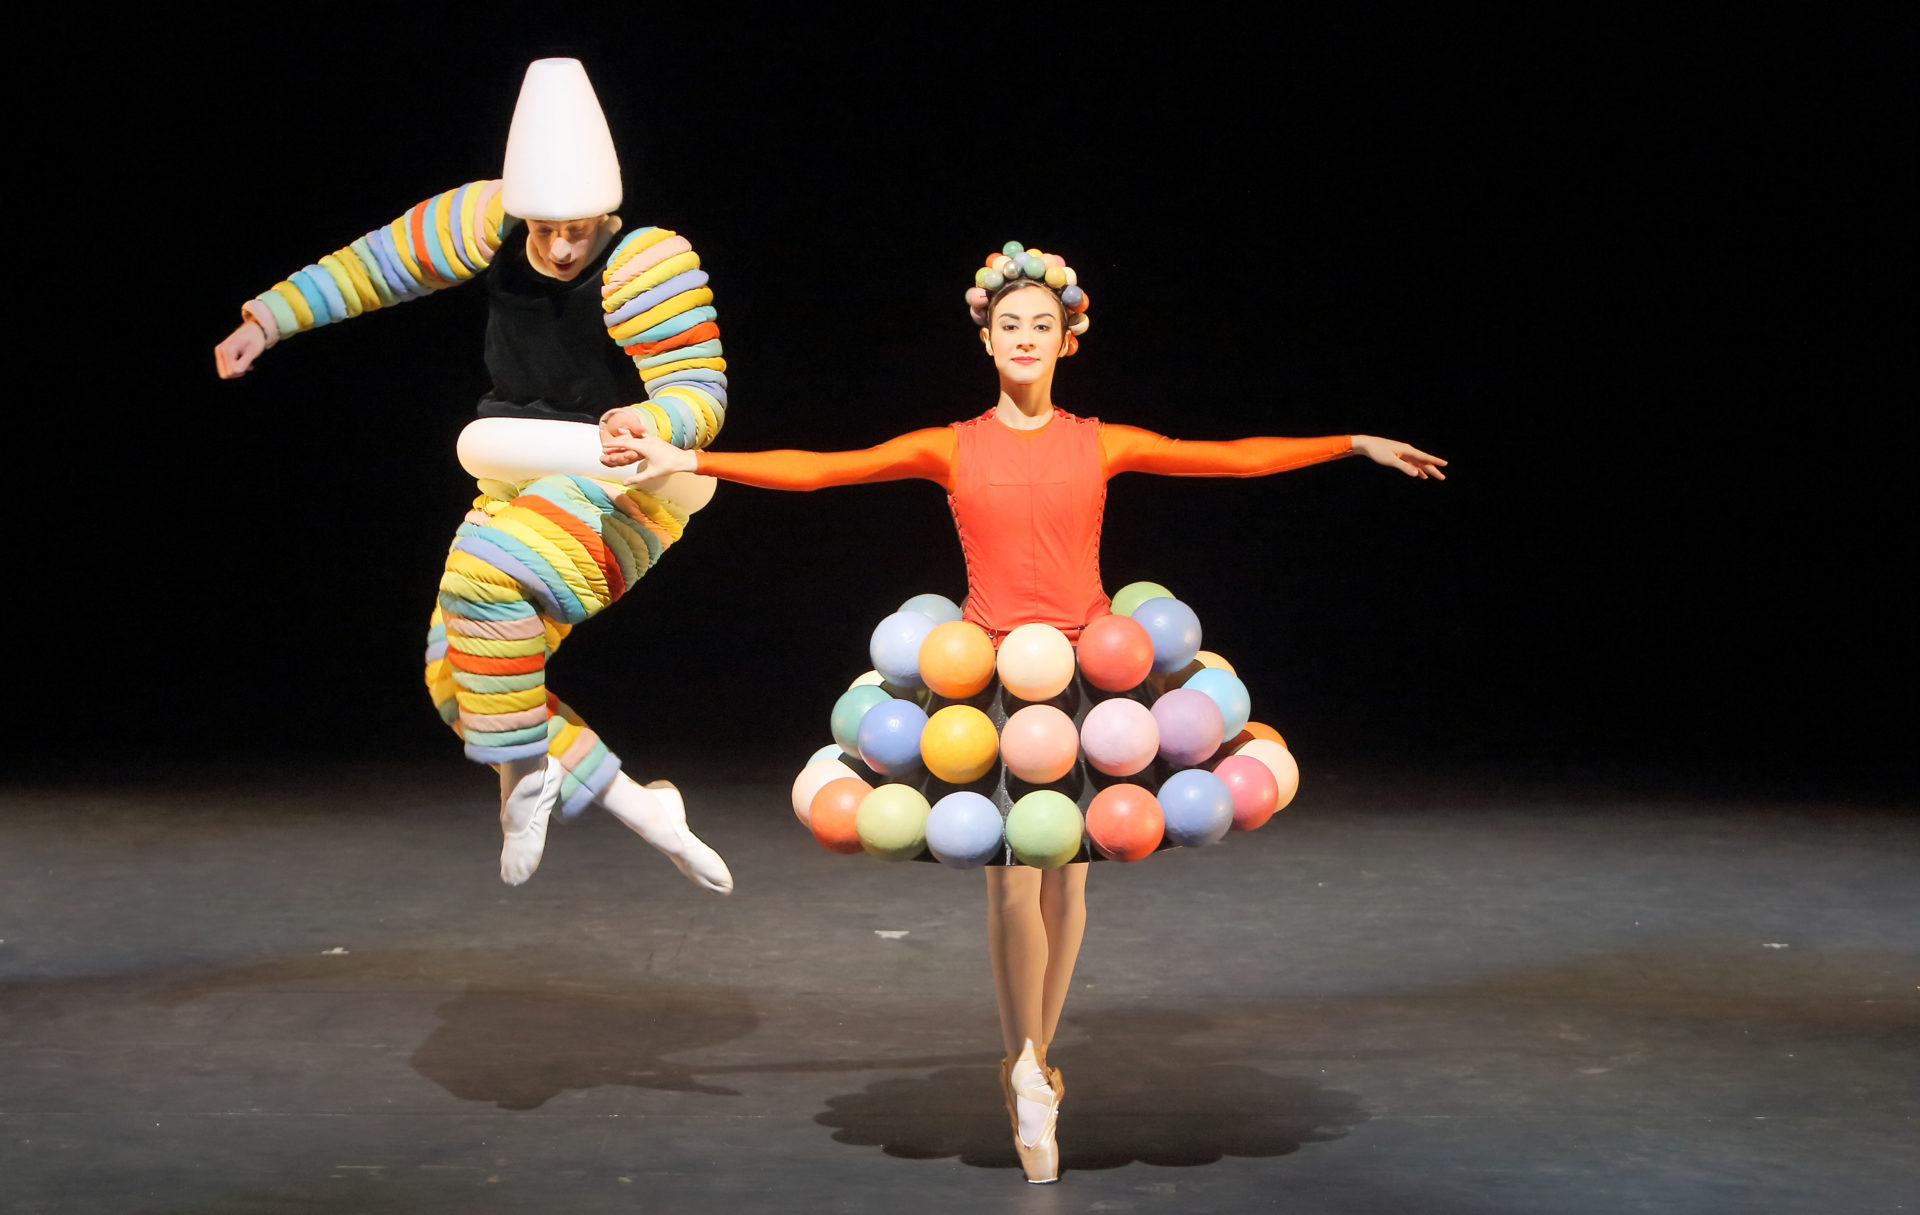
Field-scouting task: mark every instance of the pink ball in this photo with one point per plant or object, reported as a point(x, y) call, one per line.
point(977, 297)
point(1191, 726)
point(1120, 736)
point(1039, 744)
point(1256, 794)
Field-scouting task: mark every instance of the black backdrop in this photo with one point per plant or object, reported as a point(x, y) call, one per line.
point(1635, 278)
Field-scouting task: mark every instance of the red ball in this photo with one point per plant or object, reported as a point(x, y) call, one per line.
point(831, 814)
point(1125, 822)
point(1256, 794)
point(1115, 653)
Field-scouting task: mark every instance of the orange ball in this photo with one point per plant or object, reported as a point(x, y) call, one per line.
point(1125, 822)
point(832, 812)
point(1115, 653)
point(1257, 729)
point(956, 659)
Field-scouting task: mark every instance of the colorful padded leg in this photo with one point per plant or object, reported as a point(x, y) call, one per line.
point(528, 564)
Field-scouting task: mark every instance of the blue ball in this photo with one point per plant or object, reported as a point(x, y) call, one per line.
point(895, 647)
point(1175, 631)
point(964, 830)
point(937, 607)
point(848, 712)
point(1225, 689)
point(1198, 806)
point(832, 750)
point(890, 736)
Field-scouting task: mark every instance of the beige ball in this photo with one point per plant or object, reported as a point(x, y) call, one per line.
point(1279, 761)
point(811, 780)
point(1035, 662)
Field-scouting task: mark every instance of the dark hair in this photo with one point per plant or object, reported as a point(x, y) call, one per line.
point(983, 316)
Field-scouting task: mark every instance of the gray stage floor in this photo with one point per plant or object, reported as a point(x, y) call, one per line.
point(1407, 994)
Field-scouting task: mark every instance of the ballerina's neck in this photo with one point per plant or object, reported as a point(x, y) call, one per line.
point(1025, 412)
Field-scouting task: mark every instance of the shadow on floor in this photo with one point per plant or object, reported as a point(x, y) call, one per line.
point(1135, 1092)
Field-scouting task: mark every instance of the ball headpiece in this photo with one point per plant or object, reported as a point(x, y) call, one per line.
point(560, 159)
point(1014, 266)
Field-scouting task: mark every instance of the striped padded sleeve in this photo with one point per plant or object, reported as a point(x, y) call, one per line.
point(444, 240)
point(659, 309)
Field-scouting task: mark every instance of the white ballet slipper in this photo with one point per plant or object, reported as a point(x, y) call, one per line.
point(657, 814)
point(524, 813)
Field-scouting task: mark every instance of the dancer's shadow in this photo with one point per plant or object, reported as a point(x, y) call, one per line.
point(520, 1049)
point(517, 1031)
point(1135, 1092)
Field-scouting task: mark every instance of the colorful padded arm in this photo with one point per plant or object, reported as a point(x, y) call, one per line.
point(1130, 449)
point(447, 239)
point(659, 309)
point(924, 454)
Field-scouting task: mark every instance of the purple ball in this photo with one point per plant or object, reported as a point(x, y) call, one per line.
point(1191, 726)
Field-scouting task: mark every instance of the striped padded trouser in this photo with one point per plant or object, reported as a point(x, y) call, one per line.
point(530, 562)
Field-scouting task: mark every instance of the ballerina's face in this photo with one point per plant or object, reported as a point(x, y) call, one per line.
point(1024, 334)
point(562, 248)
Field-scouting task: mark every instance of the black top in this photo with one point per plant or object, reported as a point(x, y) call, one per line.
point(547, 345)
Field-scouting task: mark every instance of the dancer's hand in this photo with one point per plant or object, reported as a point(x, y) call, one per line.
point(236, 354)
point(625, 421)
point(658, 457)
point(1403, 456)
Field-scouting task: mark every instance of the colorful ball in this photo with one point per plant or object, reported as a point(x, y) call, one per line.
point(1207, 658)
point(958, 746)
point(1044, 829)
point(1036, 662)
point(849, 709)
point(1008, 268)
point(890, 736)
point(1039, 744)
point(1070, 295)
point(1134, 594)
point(832, 750)
point(1056, 276)
point(988, 279)
point(993, 259)
point(1256, 795)
point(1175, 631)
point(956, 659)
point(1279, 760)
point(831, 813)
point(1124, 822)
point(1032, 266)
point(938, 608)
point(1224, 689)
point(812, 778)
point(895, 647)
point(1120, 736)
point(1198, 806)
point(1115, 653)
point(1079, 307)
point(964, 830)
point(1073, 279)
point(1260, 729)
point(1013, 248)
point(1190, 727)
point(871, 677)
point(892, 822)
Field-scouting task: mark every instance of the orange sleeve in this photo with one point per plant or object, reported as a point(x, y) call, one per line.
point(924, 454)
point(1130, 449)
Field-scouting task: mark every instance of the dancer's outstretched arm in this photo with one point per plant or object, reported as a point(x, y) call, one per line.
point(445, 240)
point(1130, 449)
point(926, 455)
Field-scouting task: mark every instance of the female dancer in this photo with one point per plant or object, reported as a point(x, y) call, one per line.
point(1027, 484)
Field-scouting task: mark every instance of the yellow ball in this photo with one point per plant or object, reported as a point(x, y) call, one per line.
point(1056, 277)
point(958, 744)
point(1036, 662)
point(1207, 658)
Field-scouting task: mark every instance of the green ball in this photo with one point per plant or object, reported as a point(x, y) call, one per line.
point(1134, 594)
point(1013, 248)
point(1044, 829)
point(892, 822)
point(849, 709)
point(1033, 267)
point(989, 278)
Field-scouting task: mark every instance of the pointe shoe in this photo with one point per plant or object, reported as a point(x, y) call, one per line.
point(1040, 1160)
point(521, 848)
point(688, 852)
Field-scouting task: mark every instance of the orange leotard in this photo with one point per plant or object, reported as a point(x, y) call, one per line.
point(1027, 503)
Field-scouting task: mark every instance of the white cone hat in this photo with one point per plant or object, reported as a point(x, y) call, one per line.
point(560, 161)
